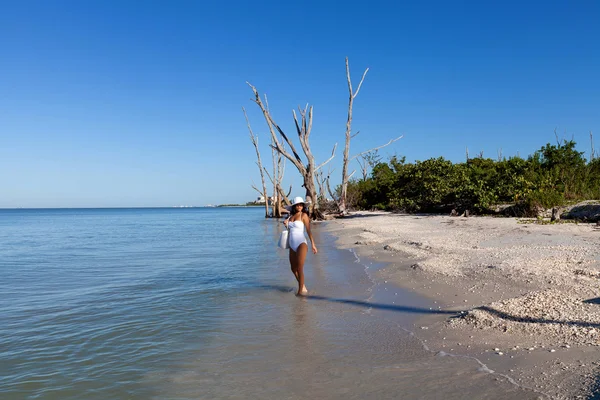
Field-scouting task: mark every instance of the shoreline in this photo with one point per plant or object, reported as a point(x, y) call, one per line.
point(524, 294)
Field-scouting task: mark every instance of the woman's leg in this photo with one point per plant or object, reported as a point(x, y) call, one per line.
point(294, 264)
point(300, 257)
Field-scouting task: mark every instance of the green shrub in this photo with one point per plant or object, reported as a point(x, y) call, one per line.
point(553, 175)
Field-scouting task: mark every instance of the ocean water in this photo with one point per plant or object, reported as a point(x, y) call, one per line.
point(199, 304)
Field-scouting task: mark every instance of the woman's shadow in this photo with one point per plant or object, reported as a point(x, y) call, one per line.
point(360, 303)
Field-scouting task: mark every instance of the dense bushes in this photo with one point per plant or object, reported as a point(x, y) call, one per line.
point(552, 176)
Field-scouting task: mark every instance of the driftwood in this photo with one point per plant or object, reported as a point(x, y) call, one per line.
point(303, 129)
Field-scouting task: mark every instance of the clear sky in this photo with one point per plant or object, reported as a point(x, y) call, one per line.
point(138, 103)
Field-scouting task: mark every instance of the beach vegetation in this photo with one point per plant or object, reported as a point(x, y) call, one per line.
point(553, 176)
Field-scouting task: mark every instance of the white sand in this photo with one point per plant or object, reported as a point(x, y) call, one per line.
point(521, 285)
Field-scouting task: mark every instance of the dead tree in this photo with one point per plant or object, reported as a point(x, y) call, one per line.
point(279, 195)
point(322, 181)
point(327, 185)
point(368, 161)
point(342, 200)
point(303, 129)
point(254, 140)
point(321, 184)
point(364, 167)
point(346, 160)
point(278, 171)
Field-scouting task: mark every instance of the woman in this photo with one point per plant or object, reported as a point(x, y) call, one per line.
point(297, 222)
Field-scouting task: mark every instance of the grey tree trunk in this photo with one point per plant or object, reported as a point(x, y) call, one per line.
point(345, 177)
point(342, 201)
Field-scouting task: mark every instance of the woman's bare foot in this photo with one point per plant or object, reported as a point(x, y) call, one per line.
point(302, 292)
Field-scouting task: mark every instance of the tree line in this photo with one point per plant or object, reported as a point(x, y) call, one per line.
point(555, 175)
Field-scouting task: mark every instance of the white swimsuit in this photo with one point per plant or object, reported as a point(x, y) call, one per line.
point(296, 235)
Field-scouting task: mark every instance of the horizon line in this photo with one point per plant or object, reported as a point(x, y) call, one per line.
point(124, 207)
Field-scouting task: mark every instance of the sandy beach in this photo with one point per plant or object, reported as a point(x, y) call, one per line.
point(526, 294)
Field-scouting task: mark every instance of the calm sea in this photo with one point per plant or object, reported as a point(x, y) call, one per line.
point(199, 304)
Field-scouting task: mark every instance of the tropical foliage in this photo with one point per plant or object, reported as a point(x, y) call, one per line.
point(553, 176)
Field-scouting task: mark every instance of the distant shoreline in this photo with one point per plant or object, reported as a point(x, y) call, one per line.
point(122, 208)
point(240, 205)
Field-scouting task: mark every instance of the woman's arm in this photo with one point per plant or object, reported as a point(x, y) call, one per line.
point(306, 221)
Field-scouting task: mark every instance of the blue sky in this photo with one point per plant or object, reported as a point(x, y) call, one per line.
point(126, 103)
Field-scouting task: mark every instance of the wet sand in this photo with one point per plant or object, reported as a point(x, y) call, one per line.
point(519, 297)
point(346, 340)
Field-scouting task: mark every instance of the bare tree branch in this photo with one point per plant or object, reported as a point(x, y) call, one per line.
point(309, 127)
point(350, 81)
point(269, 175)
point(369, 160)
point(364, 165)
point(321, 184)
point(330, 191)
point(296, 160)
point(378, 147)
point(289, 193)
point(255, 188)
point(301, 129)
point(592, 152)
point(254, 140)
point(329, 159)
